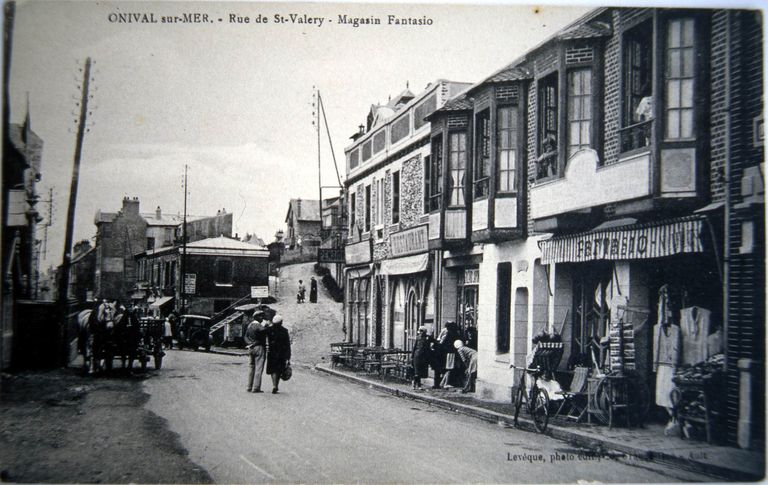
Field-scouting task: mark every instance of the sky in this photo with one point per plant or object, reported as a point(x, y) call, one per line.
point(232, 101)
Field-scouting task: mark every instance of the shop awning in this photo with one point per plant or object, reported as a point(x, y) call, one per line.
point(407, 265)
point(360, 272)
point(160, 302)
point(635, 241)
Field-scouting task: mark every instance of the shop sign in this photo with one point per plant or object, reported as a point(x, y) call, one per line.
point(357, 253)
point(190, 283)
point(330, 255)
point(641, 243)
point(472, 276)
point(410, 241)
point(259, 291)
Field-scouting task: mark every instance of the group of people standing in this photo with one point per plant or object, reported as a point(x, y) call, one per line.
point(301, 295)
point(267, 342)
point(453, 362)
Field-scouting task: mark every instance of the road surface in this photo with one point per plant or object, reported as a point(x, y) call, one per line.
point(320, 429)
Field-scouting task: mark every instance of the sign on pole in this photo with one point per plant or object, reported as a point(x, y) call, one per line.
point(259, 291)
point(190, 283)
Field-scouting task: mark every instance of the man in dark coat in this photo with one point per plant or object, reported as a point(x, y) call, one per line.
point(256, 342)
point(312, 290)
point(420, 357)
point(278, 351)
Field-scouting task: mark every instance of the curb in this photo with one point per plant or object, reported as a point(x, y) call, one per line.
point(576, 437)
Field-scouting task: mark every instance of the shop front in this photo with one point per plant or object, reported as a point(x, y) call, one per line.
point(640, 300)
point(357, 301)
point(461, 292)
point(406, 275)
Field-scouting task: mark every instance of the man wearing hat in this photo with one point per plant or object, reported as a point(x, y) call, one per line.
point(469, 357)
point(279, 353)
point(256, 342)
point(420, 357)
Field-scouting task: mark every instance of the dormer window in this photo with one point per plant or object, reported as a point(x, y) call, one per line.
point(457, 168)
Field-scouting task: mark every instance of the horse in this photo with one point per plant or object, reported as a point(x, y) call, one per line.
point(92, 337)
point(127, 336)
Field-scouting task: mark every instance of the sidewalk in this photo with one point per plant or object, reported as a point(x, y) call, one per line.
point(642, 444)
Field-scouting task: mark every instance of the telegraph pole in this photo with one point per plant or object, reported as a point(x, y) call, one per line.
point(184, 250)
point(64, 276)
point(319, 175)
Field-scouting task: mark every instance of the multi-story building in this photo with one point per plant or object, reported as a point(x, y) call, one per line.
point(606, 183)
point(220, 271)
point(302, 222)
point(388, 284)
point(595, 180)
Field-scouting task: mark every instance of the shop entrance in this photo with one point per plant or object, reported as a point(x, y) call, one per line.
point(466, 316)
point(378, 322)
point(412, 320)
point(590, 309)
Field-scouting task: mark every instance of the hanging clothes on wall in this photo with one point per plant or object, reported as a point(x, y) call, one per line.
point(695, 326)
point(666, 357)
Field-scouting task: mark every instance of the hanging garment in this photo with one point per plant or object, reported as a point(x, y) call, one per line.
point(666, 357)
point(694, 325)
point(715, 342)
point(665, 310)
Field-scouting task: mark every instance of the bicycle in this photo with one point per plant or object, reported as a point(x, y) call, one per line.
point(536, 399)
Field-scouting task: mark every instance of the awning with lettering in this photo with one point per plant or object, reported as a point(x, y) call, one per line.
point(406, 265)
point(636, 241)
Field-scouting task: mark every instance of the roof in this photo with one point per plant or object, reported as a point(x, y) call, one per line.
point(27, 143)
point(222, 242)
point(305, 210)
point(165, 219)
point(104, 217)
point(588, 30)
point(82, 255)
point(513, 73)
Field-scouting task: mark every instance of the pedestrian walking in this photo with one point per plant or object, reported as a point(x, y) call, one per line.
point(278, 351)
point(312, 290)
point(452, 365)
point(167, 333)
point(420, 357)
point(256, 342)
point(469, 357)
point(301, 293)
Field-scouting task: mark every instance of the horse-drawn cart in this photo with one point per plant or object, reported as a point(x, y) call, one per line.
point(151, 341)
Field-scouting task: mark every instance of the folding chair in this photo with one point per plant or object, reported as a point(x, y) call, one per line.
point(576, 396)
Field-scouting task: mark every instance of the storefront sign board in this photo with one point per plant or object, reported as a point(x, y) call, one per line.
point(410, 241)
point(639, 243)
point(357, 253)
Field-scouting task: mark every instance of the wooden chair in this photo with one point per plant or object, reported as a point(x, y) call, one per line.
point(576, 396)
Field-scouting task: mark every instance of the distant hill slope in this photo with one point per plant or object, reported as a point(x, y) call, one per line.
point(313, 326)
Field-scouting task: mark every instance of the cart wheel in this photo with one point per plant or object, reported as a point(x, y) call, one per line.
point(158, 360)
point(540, 409)
point(602, 401)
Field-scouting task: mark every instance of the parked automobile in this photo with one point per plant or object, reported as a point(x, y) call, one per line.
point(194, 332)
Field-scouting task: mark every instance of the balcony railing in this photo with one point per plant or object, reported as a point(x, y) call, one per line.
point(636, 136)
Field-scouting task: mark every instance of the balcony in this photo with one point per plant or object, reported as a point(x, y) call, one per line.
point(636, 137)
point(586, 184)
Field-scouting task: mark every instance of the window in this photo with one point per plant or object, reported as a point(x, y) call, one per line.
point(400, 129)
point(579, 109)
point(503, 302)
point(483, 151)
point(168, 236)
point(352, 212)
point(367, 151)
point(436, 174)
point(354, 158)
point(423, 110)
point(678, 80)
point(395, 197)
point(546, 163)
point(379, 141)
point(427, 194)
point(224, 271)
point(507, 142)
point(367, 208)
point(637, 86)
point(150, 243)
point(457, 167)
point(380, 201)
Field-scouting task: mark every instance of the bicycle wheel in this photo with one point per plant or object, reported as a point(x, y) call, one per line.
point(539, 408)
point(601, 401)
point(517, 399)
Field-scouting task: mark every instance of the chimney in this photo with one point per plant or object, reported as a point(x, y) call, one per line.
point(361, 129)
point(158, 213)
point(298, 208)
point(131, 205)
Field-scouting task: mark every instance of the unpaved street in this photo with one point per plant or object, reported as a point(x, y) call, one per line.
point(323, 430)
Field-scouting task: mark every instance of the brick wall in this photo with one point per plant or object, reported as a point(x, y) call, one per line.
point(117, 242)
point(718, 107)
point(531, 148)
point(612, 82)
point(412, 192)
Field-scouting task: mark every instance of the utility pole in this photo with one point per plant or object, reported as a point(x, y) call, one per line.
point(319, 175)
point(184, 249)
point(67, 259)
